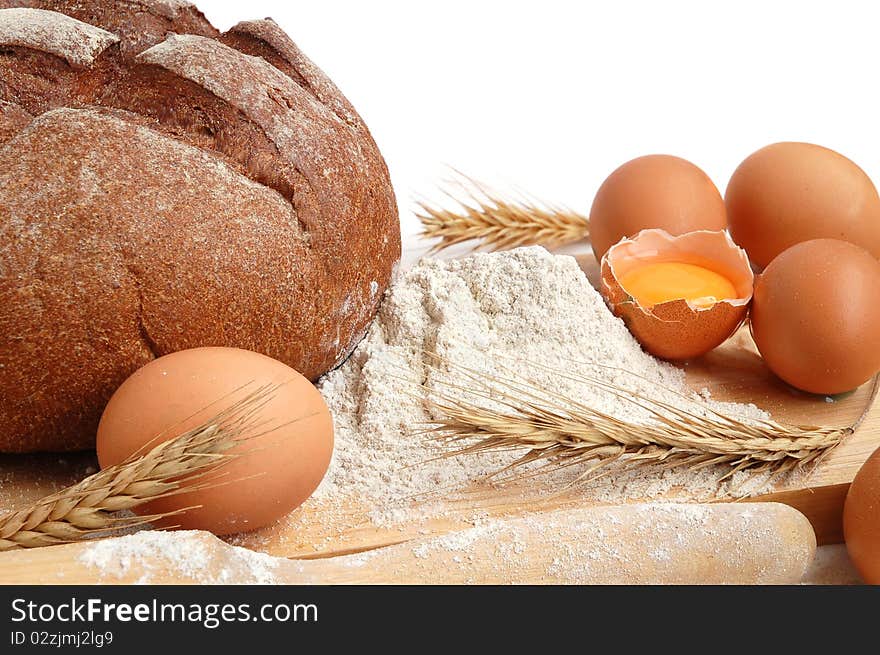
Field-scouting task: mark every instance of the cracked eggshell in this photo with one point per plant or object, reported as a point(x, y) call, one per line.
point(679, 330)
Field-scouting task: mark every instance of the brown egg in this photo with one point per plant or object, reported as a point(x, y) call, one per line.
point(279, 468)
point(679, 296)
point(656, 191)
point(816, 316)
point(861, 520)
point(787, 193)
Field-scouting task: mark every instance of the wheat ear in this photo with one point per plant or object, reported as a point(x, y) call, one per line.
point(489, 413)
point(483, 215)
point(87, 508)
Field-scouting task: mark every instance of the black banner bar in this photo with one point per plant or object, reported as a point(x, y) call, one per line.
point(149, 619)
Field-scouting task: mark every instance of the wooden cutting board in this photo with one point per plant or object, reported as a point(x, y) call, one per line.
point(734, 372)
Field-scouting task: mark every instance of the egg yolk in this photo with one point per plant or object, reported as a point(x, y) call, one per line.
point(653, 284)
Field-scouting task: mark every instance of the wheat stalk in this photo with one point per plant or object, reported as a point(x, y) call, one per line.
point(88, 508)
point(483, 215)
point(560, 431)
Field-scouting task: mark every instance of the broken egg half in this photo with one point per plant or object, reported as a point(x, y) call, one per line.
point(680, 296)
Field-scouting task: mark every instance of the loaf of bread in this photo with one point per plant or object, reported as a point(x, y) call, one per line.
point(162, 187)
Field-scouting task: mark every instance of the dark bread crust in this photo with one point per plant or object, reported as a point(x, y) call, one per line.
point(158, 194)
point(13, 118)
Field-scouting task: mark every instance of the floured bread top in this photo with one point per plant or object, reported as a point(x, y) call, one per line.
point(76, 42)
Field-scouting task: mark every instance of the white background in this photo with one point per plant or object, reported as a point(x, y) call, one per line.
point(551, 96)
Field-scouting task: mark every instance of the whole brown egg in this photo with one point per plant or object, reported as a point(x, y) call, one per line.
point(787, 193)
point(654, 192)
point(278, 464)
point(861, 520)
point(815, 316)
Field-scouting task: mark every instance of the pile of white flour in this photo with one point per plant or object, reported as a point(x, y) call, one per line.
point(488, 312)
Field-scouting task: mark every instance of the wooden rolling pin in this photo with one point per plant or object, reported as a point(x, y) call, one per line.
point(763, 543)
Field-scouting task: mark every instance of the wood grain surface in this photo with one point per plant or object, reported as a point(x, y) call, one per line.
point(628, 544)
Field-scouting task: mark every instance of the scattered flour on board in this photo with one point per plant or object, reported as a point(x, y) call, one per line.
point(187, 554)
point(526, 309)
point(656, 543)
